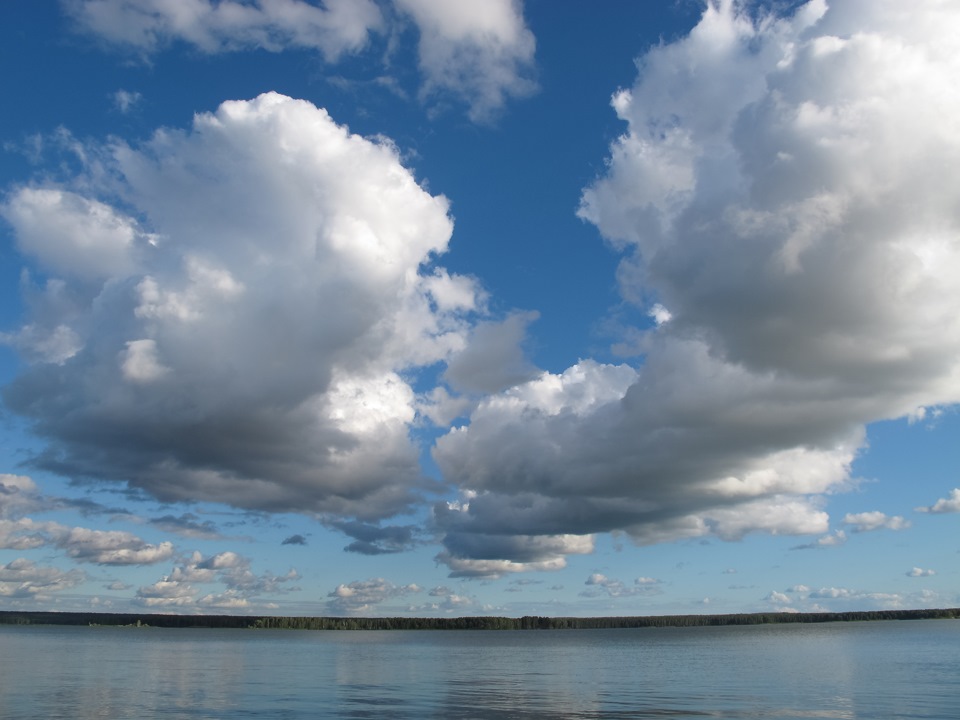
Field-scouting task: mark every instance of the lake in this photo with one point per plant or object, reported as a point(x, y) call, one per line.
point(896, 669)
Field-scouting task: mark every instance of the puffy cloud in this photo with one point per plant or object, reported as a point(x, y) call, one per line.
point(74, 235)
point(294, 540)
point(166, 593)
point(481, 52)
point(233, 571)
point(889, 600)
point(491, 552)
point(254, 347)
point(778, 598)
point(784, 195)
point(949, 504)
point(23, 579)
point(868, 521)
point(920, 572)
point(601, 585)
point(363, 595)
point(333, 27)
point(18, 495)
point(102, 547)
point(110, 547)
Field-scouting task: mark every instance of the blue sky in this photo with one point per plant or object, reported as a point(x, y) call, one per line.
point(393, 307)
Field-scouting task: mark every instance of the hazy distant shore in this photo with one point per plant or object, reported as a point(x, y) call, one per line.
point(15, 617)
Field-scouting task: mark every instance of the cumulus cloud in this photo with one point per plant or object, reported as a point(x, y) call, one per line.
point(19, 495)
point(920, 572)
point(295, 540)
point(783, 195)
point(482, 52)
point(241, 586)
point(23, 579)
point(599, 585)
point(110, 547)
point(362, 596)
point(949, 504)
point(868, 521)
point(479, 54)
point(780, 600)
point(101, 547)
point(492, 359)
point(250, 337)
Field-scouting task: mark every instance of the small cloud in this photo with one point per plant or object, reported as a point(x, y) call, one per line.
point(295, 540)
point(188, 525)
point(125, 101)
point(777, 598)
point(839, 537)
point(949, 504)
point(363, 595)
point(371, 539)
point(870, 521)
point(602, 585)
point(920, 572)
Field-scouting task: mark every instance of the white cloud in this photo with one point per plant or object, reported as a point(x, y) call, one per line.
point(478, 53)
point(838, 537)
point(333, 27)
point(110, 547)
point(362, 596)
point(101, 547)
point(778, 598)
point(481, 52)
point(73, 235)
point(258, 350)
point(23, 579)
point(601, 585)
point(785, 188)
point(920, 572)
point(242, 587)
point(868, 521)
point(949, 504)
point(125, 101)
point(18, 495)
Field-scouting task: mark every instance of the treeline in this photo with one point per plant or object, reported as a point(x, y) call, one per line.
point(8, 617)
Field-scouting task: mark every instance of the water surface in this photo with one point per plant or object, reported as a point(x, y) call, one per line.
point(900, 669)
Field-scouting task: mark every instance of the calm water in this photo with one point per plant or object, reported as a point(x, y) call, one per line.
point(906, 669)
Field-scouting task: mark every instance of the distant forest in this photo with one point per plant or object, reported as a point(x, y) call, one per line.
point(8, 617)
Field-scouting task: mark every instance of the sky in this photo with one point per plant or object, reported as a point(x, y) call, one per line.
point(446, 308)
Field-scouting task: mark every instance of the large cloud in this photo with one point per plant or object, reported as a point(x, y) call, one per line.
point(785, 193)
point(242, 328)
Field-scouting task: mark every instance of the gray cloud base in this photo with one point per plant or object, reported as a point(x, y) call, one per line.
point(784, 195)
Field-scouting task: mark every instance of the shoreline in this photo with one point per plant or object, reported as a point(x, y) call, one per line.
point(270, 622)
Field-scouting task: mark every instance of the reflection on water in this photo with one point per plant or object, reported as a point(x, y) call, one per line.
point(839, 670)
